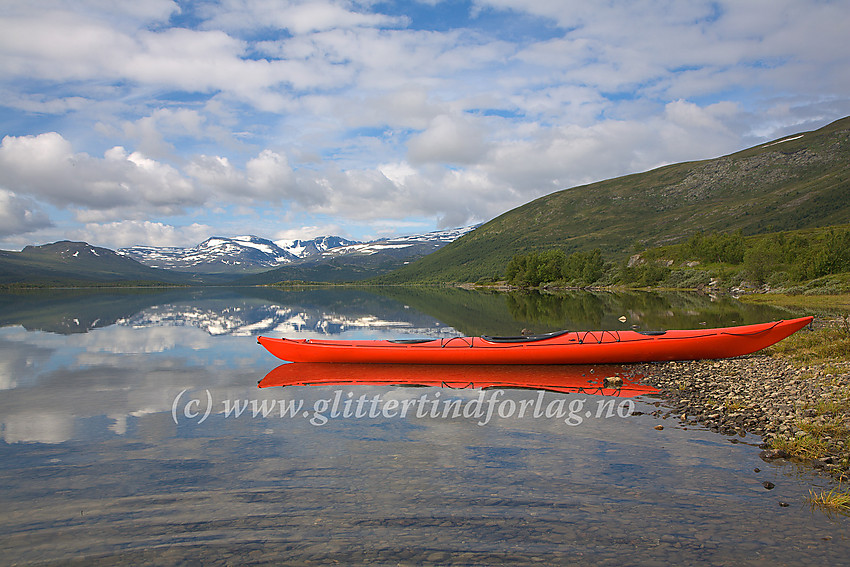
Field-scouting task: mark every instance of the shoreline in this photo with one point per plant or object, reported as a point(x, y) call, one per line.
point(800, 409)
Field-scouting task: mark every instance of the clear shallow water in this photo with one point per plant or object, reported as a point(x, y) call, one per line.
point(109, 455)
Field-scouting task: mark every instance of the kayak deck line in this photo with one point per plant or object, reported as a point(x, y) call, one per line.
point(562, 347)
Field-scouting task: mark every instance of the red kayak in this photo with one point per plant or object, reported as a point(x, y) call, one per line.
point(603, 380)
point(564, 347)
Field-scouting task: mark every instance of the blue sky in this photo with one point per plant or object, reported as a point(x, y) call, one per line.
point(164, 123)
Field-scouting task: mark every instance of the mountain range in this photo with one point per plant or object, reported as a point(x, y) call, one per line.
point(243, 255)
point(246, 254)
point(67, 263)
point(219, 260)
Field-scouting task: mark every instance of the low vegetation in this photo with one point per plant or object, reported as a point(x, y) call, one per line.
point(535, 268)
point(807, 261)
point(782, 259)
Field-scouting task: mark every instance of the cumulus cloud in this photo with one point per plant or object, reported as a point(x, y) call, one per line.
point(152, 132)
point(127, 185)
point(20, 215)
point(266, 177)
point(448, 139)
point(269, 174)
point(133, 232)
point(307, 231)
point(46, 167)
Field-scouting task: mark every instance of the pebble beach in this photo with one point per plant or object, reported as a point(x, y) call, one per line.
point(802, 411)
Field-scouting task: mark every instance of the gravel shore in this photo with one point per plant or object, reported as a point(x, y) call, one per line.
point(802, 413)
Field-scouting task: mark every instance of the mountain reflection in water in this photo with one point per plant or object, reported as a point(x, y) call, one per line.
point(310, 312)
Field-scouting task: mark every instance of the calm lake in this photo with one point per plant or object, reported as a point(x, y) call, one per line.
point(134, 432)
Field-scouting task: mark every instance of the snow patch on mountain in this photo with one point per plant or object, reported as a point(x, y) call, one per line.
point(422, 242)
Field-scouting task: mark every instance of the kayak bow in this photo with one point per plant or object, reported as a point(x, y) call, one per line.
point(564, 347)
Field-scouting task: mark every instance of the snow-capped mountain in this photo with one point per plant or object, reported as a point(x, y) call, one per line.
point(316, 246)
point(242, 253)
point(252, 254)
point(401, 246)
point(237, 254)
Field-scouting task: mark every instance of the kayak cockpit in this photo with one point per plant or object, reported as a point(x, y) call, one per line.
point(524, 338)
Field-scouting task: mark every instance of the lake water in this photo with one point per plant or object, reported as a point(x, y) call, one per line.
point(134, 433)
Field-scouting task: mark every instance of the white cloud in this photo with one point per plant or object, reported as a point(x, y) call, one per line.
point(692, 49)
point(269, 175)
point(314, 16)
point(58, 45)
point(215, 172)
point(524, 163)
point(449, 139)
point(116, 13)
point(30, 427)
point(68, 46)
point(266, 177)
point(46, 167)
point(41, 103)
point(133, 232)
point(307, 231)
point(151, 132)
point(407, 107)
point(20, 215)
point(126, 184)
point(299, 17)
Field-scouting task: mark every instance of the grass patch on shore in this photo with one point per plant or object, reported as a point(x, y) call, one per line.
point(835, 499)
point(805, 447)
point(833, 427)
point(827, 428)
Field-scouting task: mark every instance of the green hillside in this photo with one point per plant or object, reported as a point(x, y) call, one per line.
point(800, 181)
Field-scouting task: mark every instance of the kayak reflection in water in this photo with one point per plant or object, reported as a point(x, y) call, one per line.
point(603, 380)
